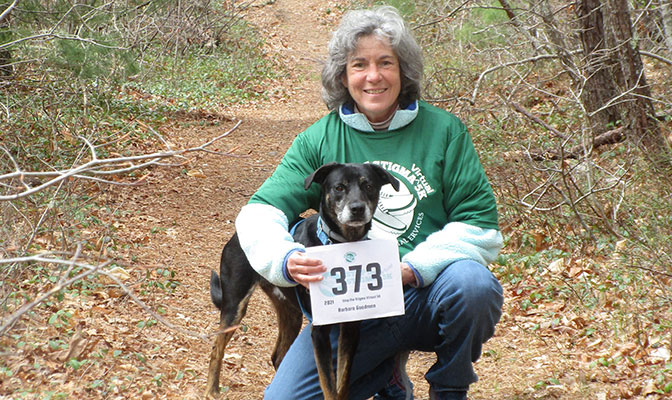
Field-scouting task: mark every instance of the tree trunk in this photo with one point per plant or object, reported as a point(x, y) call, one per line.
point(636, 108)
point(530, 32)
point(557, 39)
point(615, 90)
point(599, 86)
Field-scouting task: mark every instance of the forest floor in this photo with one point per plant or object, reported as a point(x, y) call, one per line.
point(172, 230)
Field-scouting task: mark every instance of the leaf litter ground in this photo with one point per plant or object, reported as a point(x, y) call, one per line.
point(171, 232)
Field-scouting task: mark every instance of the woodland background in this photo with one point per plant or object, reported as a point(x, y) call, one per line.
point(569, 104)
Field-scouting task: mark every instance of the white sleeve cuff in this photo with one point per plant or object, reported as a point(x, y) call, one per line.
point(263, 233)
point(456, 241)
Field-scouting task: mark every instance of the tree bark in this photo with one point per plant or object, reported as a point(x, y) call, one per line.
point(599, 86)
point(636, 109)
point(557, 39)
point(616, 92)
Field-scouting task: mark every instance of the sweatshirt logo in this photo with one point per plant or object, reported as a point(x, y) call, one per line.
point(396, 209)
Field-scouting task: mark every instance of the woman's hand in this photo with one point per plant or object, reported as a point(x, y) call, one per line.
point(407, 275)
point(303, 269)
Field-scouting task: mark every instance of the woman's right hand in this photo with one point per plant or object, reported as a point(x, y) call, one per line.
point(303, 269)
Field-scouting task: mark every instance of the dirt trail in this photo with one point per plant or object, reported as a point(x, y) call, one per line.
point(183, 219)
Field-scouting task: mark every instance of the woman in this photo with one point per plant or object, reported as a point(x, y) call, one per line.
point(444, 218)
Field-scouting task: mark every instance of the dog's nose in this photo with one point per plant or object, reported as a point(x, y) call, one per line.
point(357, 209)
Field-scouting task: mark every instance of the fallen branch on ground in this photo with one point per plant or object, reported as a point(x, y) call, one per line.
point(610, 137)
point(89, 269)
point(96, 167)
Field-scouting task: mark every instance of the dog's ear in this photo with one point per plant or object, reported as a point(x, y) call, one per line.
point(386, 176)
point(319, 174)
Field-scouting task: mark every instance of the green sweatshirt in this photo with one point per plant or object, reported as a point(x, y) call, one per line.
point(442, 180)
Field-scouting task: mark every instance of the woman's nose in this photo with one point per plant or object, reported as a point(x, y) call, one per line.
point(373, 74)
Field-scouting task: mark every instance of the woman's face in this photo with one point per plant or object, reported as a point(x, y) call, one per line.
point(373, 78)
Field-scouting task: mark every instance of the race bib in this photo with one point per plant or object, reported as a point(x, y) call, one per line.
point(362, 281)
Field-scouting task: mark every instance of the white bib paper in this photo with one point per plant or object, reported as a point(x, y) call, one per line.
point(362, 281)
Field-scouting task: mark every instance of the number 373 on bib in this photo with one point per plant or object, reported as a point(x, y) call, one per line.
point(362, 281)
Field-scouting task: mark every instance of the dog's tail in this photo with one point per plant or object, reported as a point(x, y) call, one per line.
point(216, 290)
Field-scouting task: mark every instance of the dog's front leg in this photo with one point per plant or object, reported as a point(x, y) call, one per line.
point(325, 369)
point(348, 340)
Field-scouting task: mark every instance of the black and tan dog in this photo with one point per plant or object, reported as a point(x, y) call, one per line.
point(348, 201)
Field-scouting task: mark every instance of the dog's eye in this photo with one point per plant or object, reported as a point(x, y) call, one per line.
point(339, 188)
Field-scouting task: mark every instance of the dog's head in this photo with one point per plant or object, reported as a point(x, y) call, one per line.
point(350, 195)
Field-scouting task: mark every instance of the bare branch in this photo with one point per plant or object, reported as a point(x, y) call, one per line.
point(511, 64)
point(444, 17)
point(97, 166)
point(536, 119)
point(8, 9)
point(656, 56)
point(89, 269)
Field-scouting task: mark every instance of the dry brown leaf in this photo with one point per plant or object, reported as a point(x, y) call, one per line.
point(649, 388)
point(539, 241)
point(196, 173)
point(557, 267)
point(661, 354)
point(78, 344)
point(68, 136)
point(627, 348)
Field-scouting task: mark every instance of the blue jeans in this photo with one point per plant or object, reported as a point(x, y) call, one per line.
point(452, 317)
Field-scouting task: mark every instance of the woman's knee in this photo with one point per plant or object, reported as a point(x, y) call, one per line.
point(472, 286)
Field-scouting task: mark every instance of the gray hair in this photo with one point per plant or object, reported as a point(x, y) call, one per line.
point(385, 23)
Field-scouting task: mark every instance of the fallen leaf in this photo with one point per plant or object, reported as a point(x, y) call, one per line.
point(625, 391)
point(650, 388)
point(575, 271)
point(661, 353)
point(232, 355)
point(627, 348)
point(557, 267)
point(622, 245)
point(540, 241)
point(196, 173)
point(75, 350)
point(119, 273)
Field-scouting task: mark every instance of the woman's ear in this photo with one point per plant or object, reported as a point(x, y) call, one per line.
point(344, 79)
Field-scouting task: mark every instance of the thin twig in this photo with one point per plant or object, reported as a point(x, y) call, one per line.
point(536, 119)
point(93, 167)
point(90, 269)
point(511, 64)
point(8, 9)
point(656, 56)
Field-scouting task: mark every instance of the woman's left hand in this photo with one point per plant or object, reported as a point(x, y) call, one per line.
point(407, 275)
